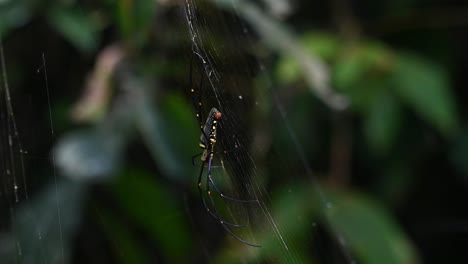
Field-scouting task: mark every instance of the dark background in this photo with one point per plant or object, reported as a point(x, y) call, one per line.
point(393, 162)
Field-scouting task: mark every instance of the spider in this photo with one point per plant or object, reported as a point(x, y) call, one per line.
point(207, 143)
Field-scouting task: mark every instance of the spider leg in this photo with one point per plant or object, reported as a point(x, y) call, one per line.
point(237, 237)
point(194, 163)
point(227, 197)
point(221, 221)
point(215, 215)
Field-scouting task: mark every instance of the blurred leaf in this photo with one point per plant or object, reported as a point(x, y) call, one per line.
point(45, 228)
point(182, 130)
point(424, 86)
point(358, 63)
point(369, 230)
point(279, 37)
point(127, 250)
point(363, 93)
point(321, 44)
point(155, 132)
point(94, 103)
point(349, 69)
point(135, 17)
point(382, 122)
point(141, 112)
point(288, 70)
point(379, 56)
point(150, 204)
point(91, 155)
point(14, 14)
point(296, 219)
point(76, 26)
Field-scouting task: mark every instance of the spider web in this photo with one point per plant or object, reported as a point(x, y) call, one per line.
point(32, 224)
point(226, 49)
point(234, 79)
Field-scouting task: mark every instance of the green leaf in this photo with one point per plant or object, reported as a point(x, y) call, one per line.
point(181, 128)
point(348, 70)
point(150, 204)
point(369, 230)
point(424, 87)
point(161, 133)
point(288, 70)
point(135, 17)
point(290, 214)
point(382, 122)
point(359, 63)
point(363, 93)
point(320, 44)
point(76, 26)
point(295, 220)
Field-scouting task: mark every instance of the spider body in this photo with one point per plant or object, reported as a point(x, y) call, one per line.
point(207, 143)
point(208, 135)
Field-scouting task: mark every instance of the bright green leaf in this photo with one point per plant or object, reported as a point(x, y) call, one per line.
point(288, 70)
point(348, 70)
point(320, 44)
point(379, 56)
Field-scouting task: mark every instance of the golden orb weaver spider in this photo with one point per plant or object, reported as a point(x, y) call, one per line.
point(207, 143)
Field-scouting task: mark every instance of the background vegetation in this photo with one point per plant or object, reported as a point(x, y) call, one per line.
point(375, 92)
